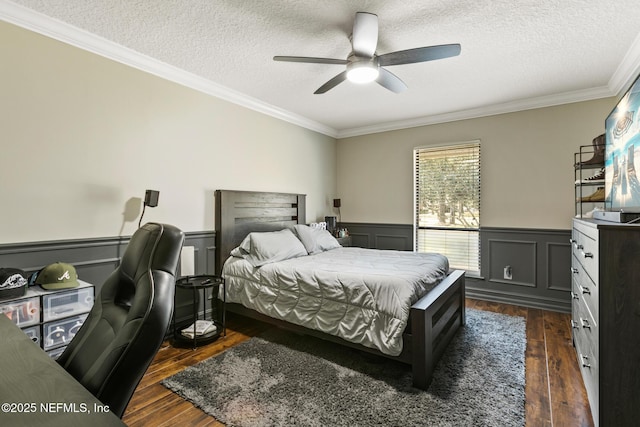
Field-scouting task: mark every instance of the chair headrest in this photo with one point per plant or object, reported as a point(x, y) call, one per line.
point(153, 247)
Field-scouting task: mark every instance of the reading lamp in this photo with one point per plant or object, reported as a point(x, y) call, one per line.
point(337, 204)
point(151, 200)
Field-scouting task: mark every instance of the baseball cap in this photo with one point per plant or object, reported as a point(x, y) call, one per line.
point(12, 283)
point(58, 275)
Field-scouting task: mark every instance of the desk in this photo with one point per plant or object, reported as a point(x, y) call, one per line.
point(35, 390)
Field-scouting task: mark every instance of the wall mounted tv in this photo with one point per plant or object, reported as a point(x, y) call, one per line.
point(622, 154)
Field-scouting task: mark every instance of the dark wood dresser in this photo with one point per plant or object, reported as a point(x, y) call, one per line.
point(605, 294)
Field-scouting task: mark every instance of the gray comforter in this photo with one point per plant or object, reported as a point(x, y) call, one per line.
point(361, 295)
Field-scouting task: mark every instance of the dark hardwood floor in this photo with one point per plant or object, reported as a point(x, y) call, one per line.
point(555, 394)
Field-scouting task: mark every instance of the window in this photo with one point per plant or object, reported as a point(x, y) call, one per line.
point(447, 203)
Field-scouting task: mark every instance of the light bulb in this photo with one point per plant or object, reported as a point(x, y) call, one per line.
point(362, 73)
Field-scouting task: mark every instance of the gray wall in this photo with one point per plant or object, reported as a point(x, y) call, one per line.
point(526, 160)
point(96, 259)
point(83, 137)
point(540, 262)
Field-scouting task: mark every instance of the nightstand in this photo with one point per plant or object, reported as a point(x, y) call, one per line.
point(199, 286)
point(344, 241)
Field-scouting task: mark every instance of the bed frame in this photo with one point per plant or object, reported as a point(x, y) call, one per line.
point(433, 321)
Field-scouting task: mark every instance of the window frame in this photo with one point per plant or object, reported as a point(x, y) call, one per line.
point(473, 144)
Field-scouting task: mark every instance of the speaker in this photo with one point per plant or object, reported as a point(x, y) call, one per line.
point(336, 203)
point(151, 198)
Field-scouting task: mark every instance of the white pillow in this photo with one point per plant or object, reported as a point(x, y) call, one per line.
point(267, 247)
point(315, 240)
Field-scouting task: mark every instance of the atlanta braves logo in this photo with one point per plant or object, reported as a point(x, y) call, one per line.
point(66, 275)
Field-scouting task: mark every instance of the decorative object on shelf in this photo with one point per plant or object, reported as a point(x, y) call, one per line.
point(597, 196)
point(58, 275)
point(13, 283)
point(589, 174)
point(596, 178)
point(598, 152)
point(199, 329)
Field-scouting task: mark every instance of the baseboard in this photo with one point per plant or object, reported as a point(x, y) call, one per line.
point(562, 306)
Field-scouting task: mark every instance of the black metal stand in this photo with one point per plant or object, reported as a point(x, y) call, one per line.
point(199, 285)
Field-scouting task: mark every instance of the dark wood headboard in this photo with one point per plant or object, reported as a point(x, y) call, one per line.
point(238, 213)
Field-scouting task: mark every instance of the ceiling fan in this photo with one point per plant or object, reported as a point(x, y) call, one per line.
point(364, 65)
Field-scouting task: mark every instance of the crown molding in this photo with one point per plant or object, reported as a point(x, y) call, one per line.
point(489, 110)
point(34, 21)
point(69, 34)
point(627, 71)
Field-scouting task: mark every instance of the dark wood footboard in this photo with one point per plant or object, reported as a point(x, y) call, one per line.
point(435, 318)
point(434, 321)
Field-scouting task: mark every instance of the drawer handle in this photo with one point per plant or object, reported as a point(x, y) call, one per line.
point(585, 361)
point(587, 254)
point(574, 270)
point(585, 323)
point(584, 289)
point(574, 324)
point(574, 295)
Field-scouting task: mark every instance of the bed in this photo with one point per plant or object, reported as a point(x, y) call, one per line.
point(414, 331)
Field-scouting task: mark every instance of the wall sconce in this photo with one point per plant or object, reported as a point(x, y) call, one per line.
point(336, 204)
point(151, 200)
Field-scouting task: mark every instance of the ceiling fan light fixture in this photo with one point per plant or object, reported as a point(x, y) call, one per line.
point(362, 72)
point(364, 65)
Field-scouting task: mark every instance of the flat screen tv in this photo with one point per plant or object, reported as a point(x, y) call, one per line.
point(622, 153)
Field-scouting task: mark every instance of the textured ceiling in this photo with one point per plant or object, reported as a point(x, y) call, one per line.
point(515, 53)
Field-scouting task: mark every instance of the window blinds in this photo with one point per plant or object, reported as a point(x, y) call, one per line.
point(447, 203)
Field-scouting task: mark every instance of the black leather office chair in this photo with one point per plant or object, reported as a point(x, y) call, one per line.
point(128, 322)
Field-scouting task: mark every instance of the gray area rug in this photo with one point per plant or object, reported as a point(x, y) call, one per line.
point(284, 379)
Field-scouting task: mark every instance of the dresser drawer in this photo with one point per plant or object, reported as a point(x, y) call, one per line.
point(583, 288)
point(24, 312)
point(583, 321)
point(56, 352)
point(33, 332)
point(62, 331)
point(585, 250)
point(65, 304)
point(585, 334)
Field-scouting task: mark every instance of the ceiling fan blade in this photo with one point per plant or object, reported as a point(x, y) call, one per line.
point(419, 54)
point(390, 81)
point(310, 60)
point(365, 34)
point(332, 83)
